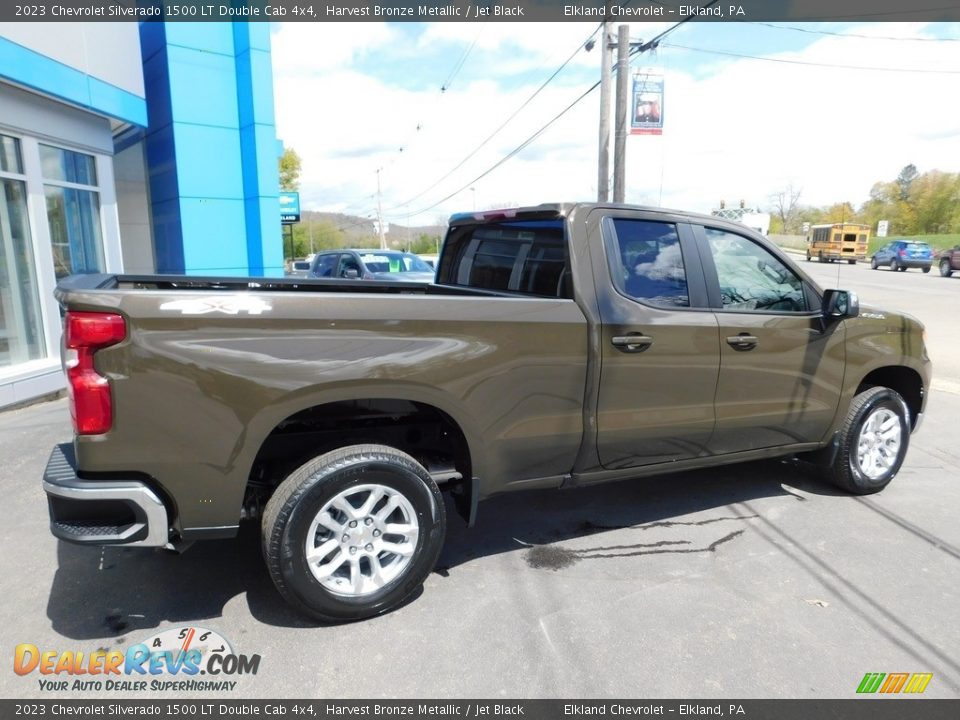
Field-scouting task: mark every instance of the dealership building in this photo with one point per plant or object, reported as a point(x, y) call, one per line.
point(127, 147)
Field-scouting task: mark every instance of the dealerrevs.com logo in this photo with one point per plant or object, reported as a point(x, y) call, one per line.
point(893, 683)
point(176, 660)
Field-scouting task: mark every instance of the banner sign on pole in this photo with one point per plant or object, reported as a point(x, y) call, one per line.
point(289, 207)
point(647, 115)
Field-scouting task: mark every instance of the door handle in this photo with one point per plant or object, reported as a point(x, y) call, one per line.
point(743, 341)
point(631, 343)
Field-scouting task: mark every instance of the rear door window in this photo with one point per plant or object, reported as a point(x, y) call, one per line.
point(646, 262)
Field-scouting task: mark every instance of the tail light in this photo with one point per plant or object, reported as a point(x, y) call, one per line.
point(902, 252)
point(91, 404)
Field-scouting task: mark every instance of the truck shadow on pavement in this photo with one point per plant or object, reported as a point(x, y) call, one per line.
point(111, 593)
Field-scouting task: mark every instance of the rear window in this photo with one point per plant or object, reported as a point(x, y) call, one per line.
point(918, 246)
point(522, 256)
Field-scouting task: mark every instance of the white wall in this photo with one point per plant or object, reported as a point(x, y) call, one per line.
point(107, 51)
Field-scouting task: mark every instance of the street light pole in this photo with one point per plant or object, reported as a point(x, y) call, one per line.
point(383, 239)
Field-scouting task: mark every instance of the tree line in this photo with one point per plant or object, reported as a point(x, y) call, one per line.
point(913, 203)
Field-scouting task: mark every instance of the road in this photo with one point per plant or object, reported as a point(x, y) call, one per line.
point(932, 299)
point(749, 581)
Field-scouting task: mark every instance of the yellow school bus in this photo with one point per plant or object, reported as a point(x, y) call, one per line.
point(838, 241)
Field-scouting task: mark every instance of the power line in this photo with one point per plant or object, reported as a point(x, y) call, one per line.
point(459, 66)
point(513, 152)
point(853, 35)
point(815, 64)
point(649, 45)
point(501, 126)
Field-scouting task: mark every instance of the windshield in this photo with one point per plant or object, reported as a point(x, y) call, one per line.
point(394, 262)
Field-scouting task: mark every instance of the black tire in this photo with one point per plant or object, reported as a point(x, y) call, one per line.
point(945, 269)
point(845, 472)
point(851, 262)
point(301, 496)
point(894, 265)
point(926, 269)
point(903, 268)
point(808, 257)
point(873, 264)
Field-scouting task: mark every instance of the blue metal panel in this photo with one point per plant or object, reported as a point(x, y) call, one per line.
point(268, 174)
point(255, 87)
point(162, 165)
point(208, 161)
point(203, 87)
point(168, 237)
point(213, 150)
point(153, 39)
point(211, 37)
point(257, 36)
point(214, 231)
point(50, 77)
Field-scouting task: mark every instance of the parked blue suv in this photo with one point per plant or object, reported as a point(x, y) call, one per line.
point(903, 254)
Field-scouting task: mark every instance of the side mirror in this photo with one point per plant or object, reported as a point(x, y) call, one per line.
point(351, 273)
point(840, 304)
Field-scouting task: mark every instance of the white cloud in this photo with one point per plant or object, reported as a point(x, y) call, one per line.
point(735, 128)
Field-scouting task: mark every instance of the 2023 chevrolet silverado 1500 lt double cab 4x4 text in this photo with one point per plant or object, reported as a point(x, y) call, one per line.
point(561, 345)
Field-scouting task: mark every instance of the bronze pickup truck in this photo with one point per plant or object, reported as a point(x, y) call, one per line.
point(560, 345)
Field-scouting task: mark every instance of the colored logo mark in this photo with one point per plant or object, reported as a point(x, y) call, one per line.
point(891, 683)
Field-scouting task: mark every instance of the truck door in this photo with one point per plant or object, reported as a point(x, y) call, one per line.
point(781, 371)
point(659, 343)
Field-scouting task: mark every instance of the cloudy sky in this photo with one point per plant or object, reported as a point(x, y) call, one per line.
point(355, 98)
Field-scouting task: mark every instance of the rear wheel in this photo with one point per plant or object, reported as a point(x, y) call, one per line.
point(851, 262)
point(926, 269)
point(353, 533)
point(894, 265)
point(873, 442)
point(945, 269)
point(874, 264)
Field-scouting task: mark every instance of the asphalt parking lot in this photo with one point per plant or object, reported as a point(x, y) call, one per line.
point(748, 581)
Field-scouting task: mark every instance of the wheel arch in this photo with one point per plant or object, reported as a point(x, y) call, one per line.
point(414, 419)
point(904, 380)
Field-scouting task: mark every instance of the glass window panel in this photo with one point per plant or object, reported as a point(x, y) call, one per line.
point(751, 278)
point(67, 165)
point(647, 263)
point(75, 239)
point(10, 155)
point(21, 324)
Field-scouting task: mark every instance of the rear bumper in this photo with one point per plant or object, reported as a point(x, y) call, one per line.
point(101, 512)
point(915, 262)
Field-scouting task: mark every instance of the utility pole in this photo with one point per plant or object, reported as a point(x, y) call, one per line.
point(383, 239)
point(620, 140)
point(606, 67)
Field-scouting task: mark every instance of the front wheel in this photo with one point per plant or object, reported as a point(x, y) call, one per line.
point(945, 269)
point(353, 533)
point(874, 264)
point(873, 442)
